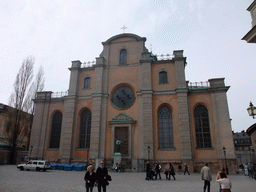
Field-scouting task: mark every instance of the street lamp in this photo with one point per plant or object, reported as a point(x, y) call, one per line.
point(31, 148)
point(251, 110)
point(148, 152)
point(251, 154)
point(224, 151)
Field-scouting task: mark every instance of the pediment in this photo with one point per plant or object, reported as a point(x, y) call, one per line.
point(122, 117)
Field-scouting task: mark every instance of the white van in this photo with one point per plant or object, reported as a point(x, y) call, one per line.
point(35, 165)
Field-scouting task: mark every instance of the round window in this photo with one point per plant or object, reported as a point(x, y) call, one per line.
point(123, 98)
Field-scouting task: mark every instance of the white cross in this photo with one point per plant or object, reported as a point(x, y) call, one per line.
point(124, 28)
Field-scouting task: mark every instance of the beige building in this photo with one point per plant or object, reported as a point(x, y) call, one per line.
point(145, 101)
point(6, 118)
point(250, 37)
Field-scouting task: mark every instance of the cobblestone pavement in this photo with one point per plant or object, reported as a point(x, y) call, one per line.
point(14, 180)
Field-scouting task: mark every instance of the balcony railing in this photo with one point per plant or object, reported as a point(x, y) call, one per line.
point(164, 57)
point(196, 85)
point(87, 64)
point(59, 94)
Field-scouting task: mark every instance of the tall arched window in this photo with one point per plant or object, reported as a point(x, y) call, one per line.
point(165, 127)
point(203, 134)
point(123, 57)
point(87, 83)
point(85, 129)
point(163, 77)
point(56, 130)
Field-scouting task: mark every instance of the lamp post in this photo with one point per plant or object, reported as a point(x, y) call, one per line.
point(31, 148)
point(148, 152)
point(251, 110)
point(251, 154)
point(224, 151)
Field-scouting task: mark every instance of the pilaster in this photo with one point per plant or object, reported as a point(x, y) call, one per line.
point(185, 133)
point(39, 126)
point(223, 131)
point(145, 110)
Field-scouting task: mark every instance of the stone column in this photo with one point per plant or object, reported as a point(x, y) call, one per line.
point(67, 128)
point(145, 108)
point(39, 126)
point(223, 131)
point(182, 99)
point(99, 107)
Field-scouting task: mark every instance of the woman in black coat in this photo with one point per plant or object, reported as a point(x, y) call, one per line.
point(171, 171)
point(90, 178)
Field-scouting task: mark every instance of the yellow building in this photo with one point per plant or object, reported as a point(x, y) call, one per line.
point(142, 99)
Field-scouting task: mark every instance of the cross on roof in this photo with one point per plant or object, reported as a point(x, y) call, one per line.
point(124, 28)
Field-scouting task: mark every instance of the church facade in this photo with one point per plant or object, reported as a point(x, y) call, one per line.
point(140, 99)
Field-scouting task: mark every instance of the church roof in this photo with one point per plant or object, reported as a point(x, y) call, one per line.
point(138, 38)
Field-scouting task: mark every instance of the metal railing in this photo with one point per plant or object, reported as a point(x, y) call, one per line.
point(88, 64)
point(59, 94)
point(164, 57)
point(202, 84)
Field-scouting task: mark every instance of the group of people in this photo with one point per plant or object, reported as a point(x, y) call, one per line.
point(224, 182)
point(152, 173)
point(100, 178)
point(249, 170)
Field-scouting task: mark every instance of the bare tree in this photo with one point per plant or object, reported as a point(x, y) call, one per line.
point(15, 127)
point(36, 86)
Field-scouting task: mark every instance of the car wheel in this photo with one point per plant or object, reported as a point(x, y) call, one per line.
point(22, 168)
point(37, 169)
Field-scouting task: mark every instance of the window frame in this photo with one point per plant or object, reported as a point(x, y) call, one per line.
point(56, 130)
point(123, 57)
point(203, 131)
point(87, 83)
point(85, 129)
point(163, 77)
point(165, 128)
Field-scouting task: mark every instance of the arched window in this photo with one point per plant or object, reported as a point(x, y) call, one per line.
point(163, 77)
point(56, 130)
point(85, 129)
point(203, 134)
point(87, 83)
point(165, 127)
point(123, 57)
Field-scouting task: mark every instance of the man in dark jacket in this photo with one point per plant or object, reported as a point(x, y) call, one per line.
point(158, 170)
point(101, 175)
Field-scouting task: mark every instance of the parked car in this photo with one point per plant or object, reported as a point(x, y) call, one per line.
point(35, 165)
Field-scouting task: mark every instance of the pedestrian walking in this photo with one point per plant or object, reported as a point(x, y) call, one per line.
point(206, 176)
point(171, 171)
point(101, 177)
point(218, 175)
point(246, 169)
point(158, 168)
point(186, 169)
point(90, 178)
point(224, 182)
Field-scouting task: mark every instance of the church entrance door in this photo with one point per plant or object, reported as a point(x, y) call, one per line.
point(121, 133)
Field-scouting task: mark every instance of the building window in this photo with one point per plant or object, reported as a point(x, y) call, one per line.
point(163, 77)
point(203, 134)
point(165, 127)
point(123, 57)
point(56, 130)
point(87, 83)
point(85, 130)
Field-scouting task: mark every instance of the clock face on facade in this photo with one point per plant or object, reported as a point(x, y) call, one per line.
point(123, 98)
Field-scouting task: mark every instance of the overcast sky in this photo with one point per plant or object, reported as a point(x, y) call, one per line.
point(58, 32)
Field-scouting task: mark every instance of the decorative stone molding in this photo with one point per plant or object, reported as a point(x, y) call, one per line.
point(122, 117)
